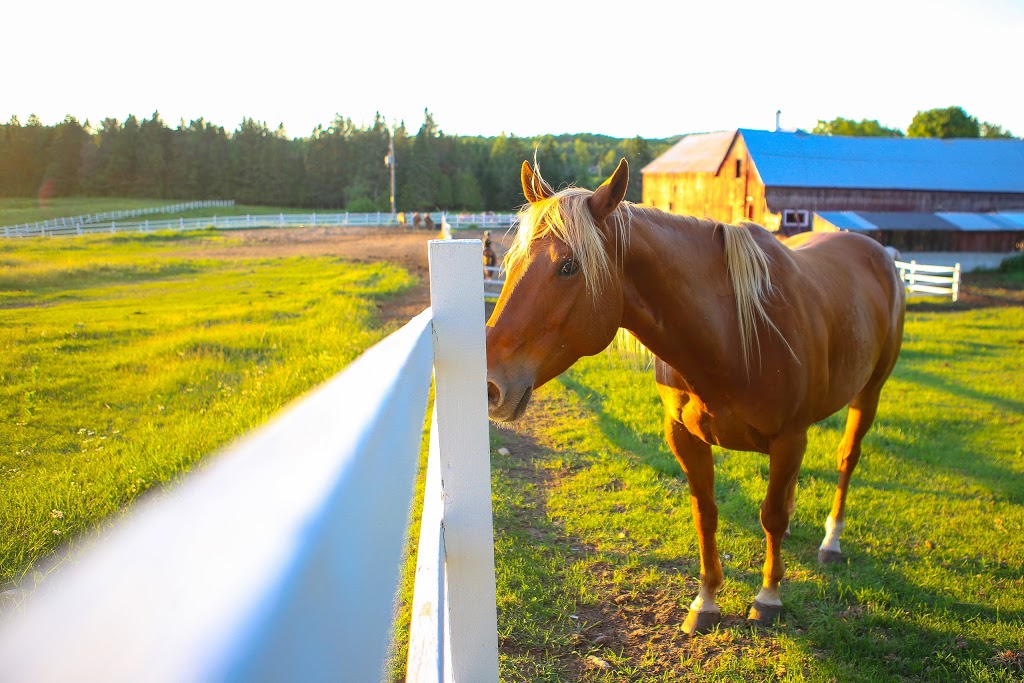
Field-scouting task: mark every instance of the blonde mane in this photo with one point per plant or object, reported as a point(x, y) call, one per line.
point(566, 216)
point(750, 274)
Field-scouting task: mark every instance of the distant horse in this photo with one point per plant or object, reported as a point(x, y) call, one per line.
point(755, 340)
point(490, 258)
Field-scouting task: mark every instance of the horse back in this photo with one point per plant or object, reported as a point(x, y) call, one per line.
point(850, 283)
point(847, 267)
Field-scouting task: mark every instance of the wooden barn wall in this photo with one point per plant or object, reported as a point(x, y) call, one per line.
point(952, 240)
point(825, 199)
point(994, 241)
point(721, 196)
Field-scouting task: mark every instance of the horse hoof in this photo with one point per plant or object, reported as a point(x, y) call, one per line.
point(762, 614)
point(699, 623)
point(829, 557)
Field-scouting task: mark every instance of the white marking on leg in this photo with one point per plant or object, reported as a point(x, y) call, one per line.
point(704, 602)
point(833, 530)
point(769, 596)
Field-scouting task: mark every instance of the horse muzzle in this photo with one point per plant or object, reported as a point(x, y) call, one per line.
point(506, 402)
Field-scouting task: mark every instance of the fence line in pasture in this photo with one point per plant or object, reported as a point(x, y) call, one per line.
point(920, 278)
point(280, 560)
point(41, 228)
point(274, 220)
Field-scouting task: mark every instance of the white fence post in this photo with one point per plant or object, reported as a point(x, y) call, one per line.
point(460, 366)
point(956, 282)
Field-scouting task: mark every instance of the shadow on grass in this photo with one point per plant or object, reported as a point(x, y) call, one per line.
point(959, 390)
point(935, 448)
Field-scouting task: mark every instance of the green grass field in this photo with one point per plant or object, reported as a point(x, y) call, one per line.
point(597, 557)
point(127, 358)
point(17, 211)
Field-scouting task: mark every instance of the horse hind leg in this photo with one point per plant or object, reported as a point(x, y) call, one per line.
point(785, 454)
point(860, 416)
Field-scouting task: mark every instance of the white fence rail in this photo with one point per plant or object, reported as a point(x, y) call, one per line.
point(493, 285)
point(920, 278)
point(44, 227)
point(273, 220)
point(280, 560)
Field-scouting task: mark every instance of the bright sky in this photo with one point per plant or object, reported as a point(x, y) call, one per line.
point(483, 67)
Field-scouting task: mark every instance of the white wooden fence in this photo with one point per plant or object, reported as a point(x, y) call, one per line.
point(920, 278)
point(279, 560)
point(273, 220)
point(492, 287)
point(43, 228)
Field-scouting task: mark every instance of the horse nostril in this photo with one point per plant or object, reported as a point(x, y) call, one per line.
point(493, 394)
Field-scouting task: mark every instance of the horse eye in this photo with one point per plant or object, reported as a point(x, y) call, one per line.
point(568, 268)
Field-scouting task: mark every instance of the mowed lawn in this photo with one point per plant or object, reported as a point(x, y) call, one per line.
point(597, 557)
point(125, 359)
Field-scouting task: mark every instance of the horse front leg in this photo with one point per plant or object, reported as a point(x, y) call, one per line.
point(695, 457)
point(785, 453)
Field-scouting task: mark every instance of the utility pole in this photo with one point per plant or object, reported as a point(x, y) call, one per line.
point(389, 162)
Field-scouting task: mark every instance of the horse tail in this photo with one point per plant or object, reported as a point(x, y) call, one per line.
point(749, 272)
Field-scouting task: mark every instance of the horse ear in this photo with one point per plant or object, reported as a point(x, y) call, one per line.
point(607, 197)
point(535, 188)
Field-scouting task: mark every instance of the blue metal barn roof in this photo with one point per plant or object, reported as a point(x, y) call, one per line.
point(831, 161)
point(868, 221)
point(958, 165)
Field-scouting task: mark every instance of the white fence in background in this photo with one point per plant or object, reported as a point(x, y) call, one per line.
point(280, 560)
point(273, 220)
point(492, 286)
point(41, 228)
point(920, 278)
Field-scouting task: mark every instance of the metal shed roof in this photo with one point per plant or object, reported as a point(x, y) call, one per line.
point(867, 221)
point(958, 165)
point(695, 153)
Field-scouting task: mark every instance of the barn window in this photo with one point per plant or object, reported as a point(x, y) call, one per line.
point(739, 168)
point(795, 219)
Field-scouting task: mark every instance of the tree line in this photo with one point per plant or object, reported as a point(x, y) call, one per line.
point(341, 166)
point(947, 122)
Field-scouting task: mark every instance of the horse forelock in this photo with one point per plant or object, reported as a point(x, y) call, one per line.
point(566, 216)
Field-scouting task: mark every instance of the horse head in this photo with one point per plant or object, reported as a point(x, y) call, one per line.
point(562, 297)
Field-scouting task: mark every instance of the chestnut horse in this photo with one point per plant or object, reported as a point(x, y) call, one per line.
point(754, 341)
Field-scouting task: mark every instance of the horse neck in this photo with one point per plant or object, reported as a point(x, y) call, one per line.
point(677, 296)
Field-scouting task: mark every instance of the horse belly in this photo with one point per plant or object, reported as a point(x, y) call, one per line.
point(721, 428)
